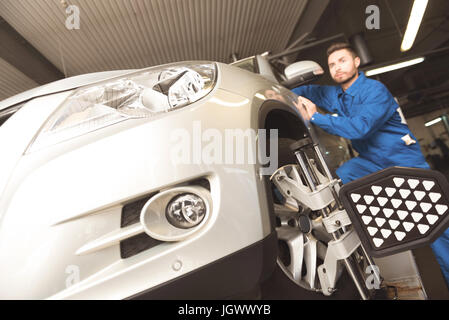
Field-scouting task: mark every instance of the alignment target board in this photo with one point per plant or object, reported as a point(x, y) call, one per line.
point(397, 209)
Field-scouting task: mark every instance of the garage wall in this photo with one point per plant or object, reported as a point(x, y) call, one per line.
point(427, 135)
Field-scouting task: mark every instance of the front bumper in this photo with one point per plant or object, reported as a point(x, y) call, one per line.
point(59, 199)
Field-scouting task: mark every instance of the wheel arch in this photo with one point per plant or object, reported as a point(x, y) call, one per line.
point(275, 114)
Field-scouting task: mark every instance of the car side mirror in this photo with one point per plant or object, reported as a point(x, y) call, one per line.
point(300, 73)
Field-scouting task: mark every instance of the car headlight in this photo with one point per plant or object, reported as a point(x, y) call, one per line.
point(143, 94)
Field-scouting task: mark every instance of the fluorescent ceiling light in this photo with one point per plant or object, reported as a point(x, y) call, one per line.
point(395, 66)
point(418, 9)
point(431, 123)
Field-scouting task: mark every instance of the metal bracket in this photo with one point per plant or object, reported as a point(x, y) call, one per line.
point(294, 187)
point(336, 220)
point(337, 250)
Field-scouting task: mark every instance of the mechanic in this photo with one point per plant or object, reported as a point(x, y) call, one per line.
point(364, 111)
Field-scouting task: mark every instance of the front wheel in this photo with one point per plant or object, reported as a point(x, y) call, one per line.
point(302, 238)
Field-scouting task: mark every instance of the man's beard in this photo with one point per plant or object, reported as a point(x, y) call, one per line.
point(347, 80)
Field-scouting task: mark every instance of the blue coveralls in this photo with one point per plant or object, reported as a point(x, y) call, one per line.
point(367, 114)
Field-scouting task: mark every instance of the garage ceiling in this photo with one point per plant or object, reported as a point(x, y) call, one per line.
point(117, 34)
point(37, 48)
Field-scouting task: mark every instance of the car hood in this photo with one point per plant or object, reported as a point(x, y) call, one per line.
point(62, 85)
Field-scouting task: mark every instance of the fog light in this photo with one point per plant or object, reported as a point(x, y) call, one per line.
point(176, 214)
point(186, 211)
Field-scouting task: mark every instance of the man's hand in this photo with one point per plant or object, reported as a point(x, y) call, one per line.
point(306, 107)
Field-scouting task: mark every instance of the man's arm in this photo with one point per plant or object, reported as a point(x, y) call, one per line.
point(317, 94)
point(377, 109)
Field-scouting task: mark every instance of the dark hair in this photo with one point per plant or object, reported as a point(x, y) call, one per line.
point(340, 46)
